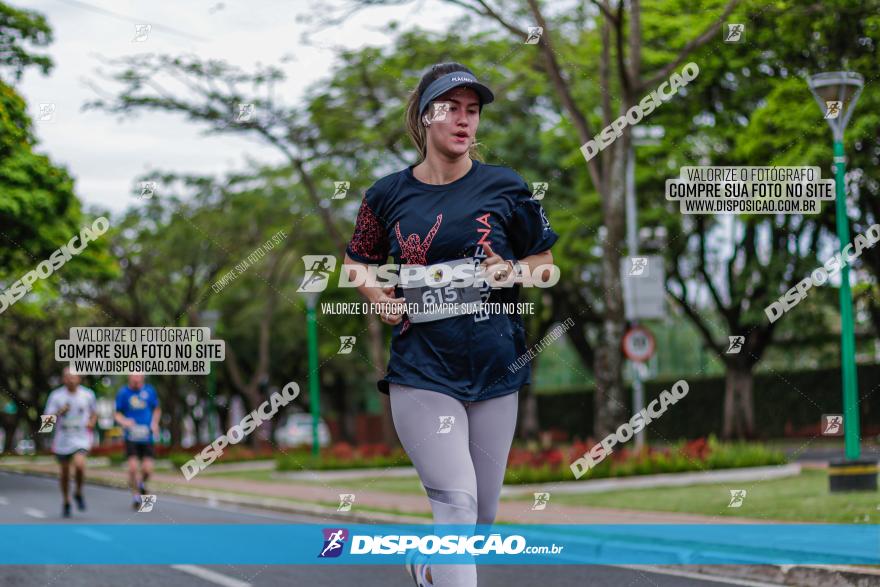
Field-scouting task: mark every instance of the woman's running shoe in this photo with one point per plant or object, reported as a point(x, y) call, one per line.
point(417, 565)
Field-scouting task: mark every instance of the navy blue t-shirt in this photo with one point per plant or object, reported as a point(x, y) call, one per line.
point(465, 356)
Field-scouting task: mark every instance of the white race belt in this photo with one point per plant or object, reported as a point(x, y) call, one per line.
point(139, 432)
point(428, 301)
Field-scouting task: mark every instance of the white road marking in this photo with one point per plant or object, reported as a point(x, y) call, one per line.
point(35, 513)
point(690, 575)
point(211, 576)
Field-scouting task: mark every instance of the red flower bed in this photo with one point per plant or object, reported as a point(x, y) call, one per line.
point(697, 450)
point(344, 451)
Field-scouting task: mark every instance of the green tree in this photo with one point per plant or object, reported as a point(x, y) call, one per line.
point(38, 209)
point(38, 213)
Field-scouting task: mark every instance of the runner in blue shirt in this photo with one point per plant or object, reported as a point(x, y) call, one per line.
point(453, 397)
point(137, 411)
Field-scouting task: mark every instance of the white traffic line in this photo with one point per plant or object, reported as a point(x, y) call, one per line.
point(35, 513)
point(690, 575)
point(211, 576)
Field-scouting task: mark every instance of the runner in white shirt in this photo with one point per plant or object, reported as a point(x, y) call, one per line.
point(75, 407)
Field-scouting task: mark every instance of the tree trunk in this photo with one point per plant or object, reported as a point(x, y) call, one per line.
point(203, 430)
point(175, 409)
point(175, 425)
point(528, 419)
point(223, 422)
point(10, 424)
point(34, 426)
point(739, 418)
point(609, 404)
point(347, 415)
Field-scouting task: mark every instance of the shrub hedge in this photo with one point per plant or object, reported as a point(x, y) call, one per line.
point(786, 404)
point(696, 455)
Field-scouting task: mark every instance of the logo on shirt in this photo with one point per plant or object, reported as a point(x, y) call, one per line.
point(412, 248)
point(479, 255)
point(544, 220)
point(484, 220)
point(136, 402)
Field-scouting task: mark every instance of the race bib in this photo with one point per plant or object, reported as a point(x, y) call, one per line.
point(139, 432)
point(69, 422)
point(428, 301)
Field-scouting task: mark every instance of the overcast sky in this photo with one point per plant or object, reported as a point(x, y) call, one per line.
point(106, 155)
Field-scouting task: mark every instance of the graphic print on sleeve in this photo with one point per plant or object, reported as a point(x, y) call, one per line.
point(369, 243)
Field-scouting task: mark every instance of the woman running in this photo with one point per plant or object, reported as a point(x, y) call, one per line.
point(453, 398)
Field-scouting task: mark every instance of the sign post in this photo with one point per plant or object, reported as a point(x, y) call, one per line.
point(639, 346)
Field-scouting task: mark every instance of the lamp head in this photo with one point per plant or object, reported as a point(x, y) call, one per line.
point(837, 92)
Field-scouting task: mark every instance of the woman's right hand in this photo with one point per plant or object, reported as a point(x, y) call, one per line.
point(393, 310)
point(376, 295)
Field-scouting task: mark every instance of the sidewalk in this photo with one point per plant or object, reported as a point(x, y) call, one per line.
point(374, 506)
point(408, 504)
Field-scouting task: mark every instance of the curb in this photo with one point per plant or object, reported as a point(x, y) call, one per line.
point(343, 474)
point(663, 480)
point(799, 575)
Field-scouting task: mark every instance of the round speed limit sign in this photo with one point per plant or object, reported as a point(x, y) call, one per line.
point(638, 344)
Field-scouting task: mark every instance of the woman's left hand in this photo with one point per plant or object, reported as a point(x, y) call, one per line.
point(498, 271)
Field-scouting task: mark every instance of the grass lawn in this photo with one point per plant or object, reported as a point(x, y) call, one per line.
point(253, 475)
point(804, 498)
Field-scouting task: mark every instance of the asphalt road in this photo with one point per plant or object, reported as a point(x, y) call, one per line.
point(37, 500)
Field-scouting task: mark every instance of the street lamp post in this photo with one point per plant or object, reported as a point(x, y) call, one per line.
point(210, 318)
point(641, 135)
point(314, 396)
point(836, 93)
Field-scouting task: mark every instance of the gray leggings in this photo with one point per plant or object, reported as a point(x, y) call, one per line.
point(460, 462)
